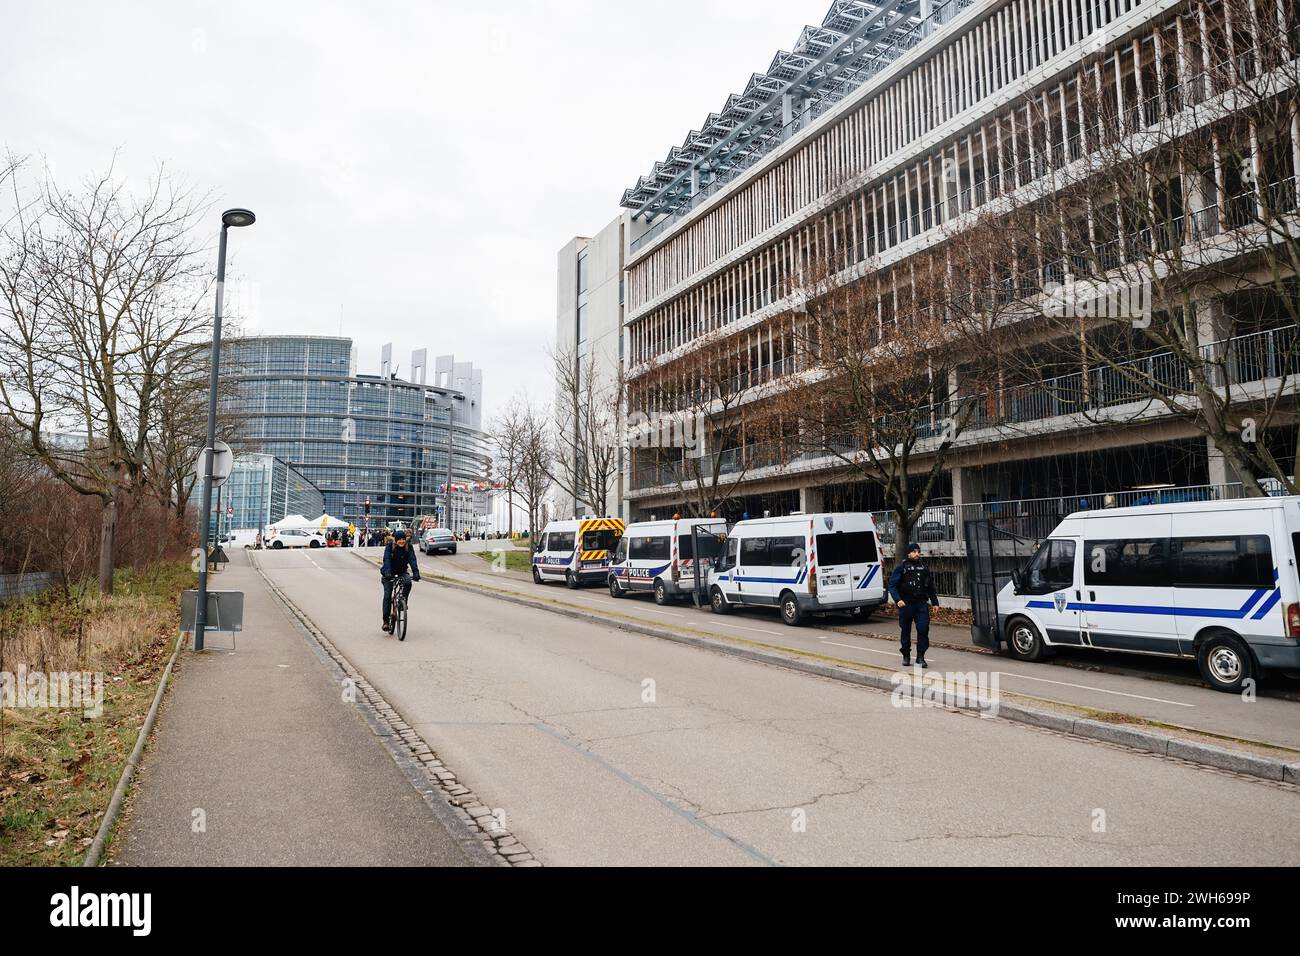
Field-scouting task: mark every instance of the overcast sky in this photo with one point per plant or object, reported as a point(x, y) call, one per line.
point(414, 167)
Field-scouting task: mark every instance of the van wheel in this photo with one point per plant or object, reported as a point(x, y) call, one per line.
point(791, 613)
point(614, 590)
point(661, 593)
point(861, 614)
point(537, 576)
point(1024, 643)
point(570, 581)
point(1225, 662)
point(718, 602)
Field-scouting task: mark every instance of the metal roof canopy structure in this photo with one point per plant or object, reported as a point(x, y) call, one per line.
point(856, 40)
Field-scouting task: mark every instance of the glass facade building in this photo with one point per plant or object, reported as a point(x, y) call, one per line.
point(262, 489)
point(355, 437)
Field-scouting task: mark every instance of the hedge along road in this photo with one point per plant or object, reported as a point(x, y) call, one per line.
point(607, 747)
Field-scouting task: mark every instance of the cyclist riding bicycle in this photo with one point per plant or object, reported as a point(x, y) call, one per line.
point(399, 565)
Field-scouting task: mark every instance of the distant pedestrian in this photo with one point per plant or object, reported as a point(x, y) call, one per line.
point(912, 588)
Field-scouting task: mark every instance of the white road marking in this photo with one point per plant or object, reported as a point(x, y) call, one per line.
point(1044, 680)
point(855, 647)
point(759, 630)
point(309, 558)
point(1100, 690)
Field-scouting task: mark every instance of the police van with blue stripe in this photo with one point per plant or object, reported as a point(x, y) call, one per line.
point(802, 565)
point(659, 556)
point(1214, 581)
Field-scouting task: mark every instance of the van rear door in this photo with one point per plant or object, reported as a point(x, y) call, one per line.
point(848, 565)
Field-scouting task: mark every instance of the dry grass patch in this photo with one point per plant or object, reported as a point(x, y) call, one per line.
point(58, 767)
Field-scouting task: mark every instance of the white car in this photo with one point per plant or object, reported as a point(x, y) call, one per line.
point(278, 538)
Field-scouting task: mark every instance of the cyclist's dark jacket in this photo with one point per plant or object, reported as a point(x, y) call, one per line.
point(399, 561)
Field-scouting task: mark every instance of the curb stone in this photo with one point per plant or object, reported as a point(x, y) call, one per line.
point(1208, 755)
point(483, 840)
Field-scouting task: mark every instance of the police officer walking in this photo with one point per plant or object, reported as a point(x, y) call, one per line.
point(912, 588)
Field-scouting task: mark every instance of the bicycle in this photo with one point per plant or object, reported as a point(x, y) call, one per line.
point(397, 616)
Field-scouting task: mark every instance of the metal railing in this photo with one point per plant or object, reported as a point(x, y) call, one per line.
point(1258, 356)
point(1036, 518)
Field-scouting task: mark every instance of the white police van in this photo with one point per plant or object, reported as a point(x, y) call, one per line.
point(659, 556)
point(576, 551)
point(802, 564)
point(1216, 581)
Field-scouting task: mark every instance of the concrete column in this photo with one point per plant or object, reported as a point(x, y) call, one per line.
point(811, 500)
point(1213, 328)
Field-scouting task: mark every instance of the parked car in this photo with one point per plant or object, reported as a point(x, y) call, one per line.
point(438, 539)
point(295, 538)
point(932, 531)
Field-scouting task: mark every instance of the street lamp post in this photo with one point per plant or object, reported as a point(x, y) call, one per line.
point(231, 218)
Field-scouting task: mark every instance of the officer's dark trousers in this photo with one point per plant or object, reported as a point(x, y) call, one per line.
point(920, 613)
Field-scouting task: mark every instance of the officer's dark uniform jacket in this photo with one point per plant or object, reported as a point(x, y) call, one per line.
point(913, 583)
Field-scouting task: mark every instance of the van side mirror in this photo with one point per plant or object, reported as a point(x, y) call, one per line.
point(1017, 581)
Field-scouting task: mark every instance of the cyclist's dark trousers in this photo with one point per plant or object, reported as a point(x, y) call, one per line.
point(920, 613)
point(388, 592)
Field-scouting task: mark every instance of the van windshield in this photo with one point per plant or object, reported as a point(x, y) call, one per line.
point(1052, 568)
point(605, 540)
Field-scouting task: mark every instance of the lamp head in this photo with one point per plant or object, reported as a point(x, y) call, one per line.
point(234, 218)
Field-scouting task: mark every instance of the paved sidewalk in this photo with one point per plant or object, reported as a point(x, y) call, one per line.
point(284, 771)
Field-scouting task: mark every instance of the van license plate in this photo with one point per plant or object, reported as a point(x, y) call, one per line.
point(833, 580)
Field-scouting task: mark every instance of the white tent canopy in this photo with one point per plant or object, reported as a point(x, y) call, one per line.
point(326, 520)
point(293, 521)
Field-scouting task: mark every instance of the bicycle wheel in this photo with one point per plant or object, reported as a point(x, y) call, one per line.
point(400, 624)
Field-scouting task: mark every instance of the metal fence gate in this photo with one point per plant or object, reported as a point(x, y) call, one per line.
point(707, 543)
point(991, 555)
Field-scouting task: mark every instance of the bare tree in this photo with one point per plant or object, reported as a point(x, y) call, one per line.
point(535, 463)
point(509, 438)
point(1166, 249)
point(97, 286)
point(585, 430)
point(893, 365)
point(699, 424)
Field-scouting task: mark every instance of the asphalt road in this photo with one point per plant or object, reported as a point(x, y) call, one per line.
point(606, 747)
point(1124, 684)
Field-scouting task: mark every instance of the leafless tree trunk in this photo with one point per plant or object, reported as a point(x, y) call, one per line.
point(585, 430)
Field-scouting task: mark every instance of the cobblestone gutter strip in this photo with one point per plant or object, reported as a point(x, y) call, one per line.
point(881, 678)
point(470, 821)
